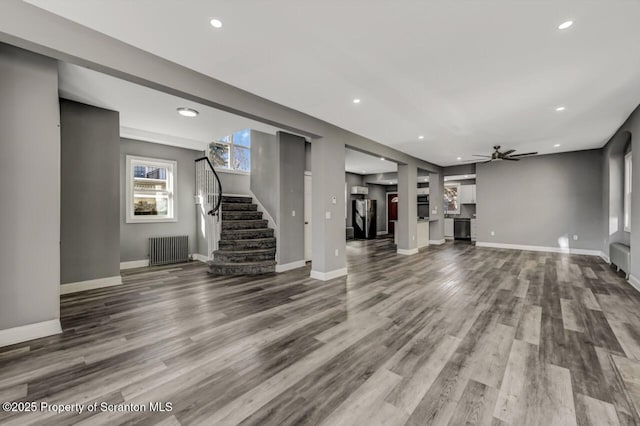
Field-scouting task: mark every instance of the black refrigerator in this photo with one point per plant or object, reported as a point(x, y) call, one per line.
point(364, 219)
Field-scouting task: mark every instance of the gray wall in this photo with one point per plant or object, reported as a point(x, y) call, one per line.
point(307, 156)
point(542, 201)
point(30, 188)
point(291, 228)
point(134, 236)
point(265, 171)
point(90, 192)
point(235, 183)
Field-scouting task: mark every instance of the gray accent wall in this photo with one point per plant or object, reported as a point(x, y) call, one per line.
point(542, 201)
point(134, 236)
point(290, 227)
point(30, 188)
point(265, 171)
point(90, 192)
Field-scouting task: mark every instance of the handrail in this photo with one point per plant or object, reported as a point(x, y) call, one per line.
point(215, 209)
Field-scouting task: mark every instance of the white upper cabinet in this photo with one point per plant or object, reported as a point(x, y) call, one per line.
point(467, 194)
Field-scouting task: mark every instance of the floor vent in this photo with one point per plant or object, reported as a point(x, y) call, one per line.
point(168, 250)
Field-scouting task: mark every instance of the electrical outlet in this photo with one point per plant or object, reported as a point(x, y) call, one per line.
point(575, 238)
point(493, 233)
point(293, 213)
point(413, 238)
point(336, 252)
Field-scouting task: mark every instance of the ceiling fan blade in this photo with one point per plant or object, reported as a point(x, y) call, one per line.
point(486, 156)
point(523, 155)
point(504, 154)
point(511, 159)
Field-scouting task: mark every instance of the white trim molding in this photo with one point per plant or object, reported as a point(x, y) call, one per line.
point(540, 248)
point(201, 258)
point(134, 264)
point(437, 242)
point(90, 284)
point(326, 276)
point(11, 336)
point(289, 266)
point(408, 252)
point(604, 257)
point(634, 281)
point(381, 233)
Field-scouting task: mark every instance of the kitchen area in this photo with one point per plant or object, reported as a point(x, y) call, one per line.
point(460, 207)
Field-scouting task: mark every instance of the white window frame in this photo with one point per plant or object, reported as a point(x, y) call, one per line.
point(627, 191)
point(230, 169)
point(172, 178)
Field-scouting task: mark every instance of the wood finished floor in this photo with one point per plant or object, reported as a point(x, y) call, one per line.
point(454, 335)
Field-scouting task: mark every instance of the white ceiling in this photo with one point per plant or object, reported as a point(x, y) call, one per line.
point(365, 164)
point(466, 75)
point(148, 114)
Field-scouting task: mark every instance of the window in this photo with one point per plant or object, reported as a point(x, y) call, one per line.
point(627, 192)
point(150, 190)
point(232, 152)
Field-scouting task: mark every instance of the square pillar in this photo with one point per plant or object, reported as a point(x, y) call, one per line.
point(407, 226)
point(436, 208)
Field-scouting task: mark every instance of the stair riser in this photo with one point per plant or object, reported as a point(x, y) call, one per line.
point(244, 257)
point(239, 200)
point(239, 207)
point(240, 270)
point(231, 215)
point(244, 224)
point(246, 245)
point(246, 234)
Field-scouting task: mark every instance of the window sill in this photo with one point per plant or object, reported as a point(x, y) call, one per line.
point(233, 172)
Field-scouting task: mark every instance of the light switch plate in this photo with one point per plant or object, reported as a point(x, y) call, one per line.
point(327, 215)
point(334, 200)
point(293, 213)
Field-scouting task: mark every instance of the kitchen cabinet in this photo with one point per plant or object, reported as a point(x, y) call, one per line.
point(474, 229)
point(448, 228)
point(467, 194)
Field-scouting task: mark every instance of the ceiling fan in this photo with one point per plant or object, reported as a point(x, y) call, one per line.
point(499, 156)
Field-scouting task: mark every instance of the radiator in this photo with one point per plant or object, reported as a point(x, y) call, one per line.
point(166, 250)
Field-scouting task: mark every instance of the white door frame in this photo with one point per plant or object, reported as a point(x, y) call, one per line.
point(307, 175)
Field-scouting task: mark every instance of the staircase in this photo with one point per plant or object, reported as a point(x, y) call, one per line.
point(247, 245)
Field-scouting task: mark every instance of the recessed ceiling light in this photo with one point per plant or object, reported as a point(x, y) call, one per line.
point(459, 158)
point(426, 179)
point(420, 137)
point(216, 23)
point(356, 101)
point(565, 25)
point(187, 112)
point(557, 145)
point(381, 158)
point(561, 108)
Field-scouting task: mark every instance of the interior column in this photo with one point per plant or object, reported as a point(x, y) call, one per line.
point(328, 259)
point(407, 225)
point(436, 208)
point(30, 188)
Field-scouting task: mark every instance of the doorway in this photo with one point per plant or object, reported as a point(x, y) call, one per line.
point(392, 211)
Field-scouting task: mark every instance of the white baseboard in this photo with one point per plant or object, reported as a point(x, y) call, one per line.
point(635, 282)
point(90, 284)
point(605, 257)
point(326, 276)
point(448, 238)
point(381, 233)
point(11, 336)
point(201, 258)
point(539, 248)
point(289, 266)
point(407, 252)
point(134, 264)
point(437, 242)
